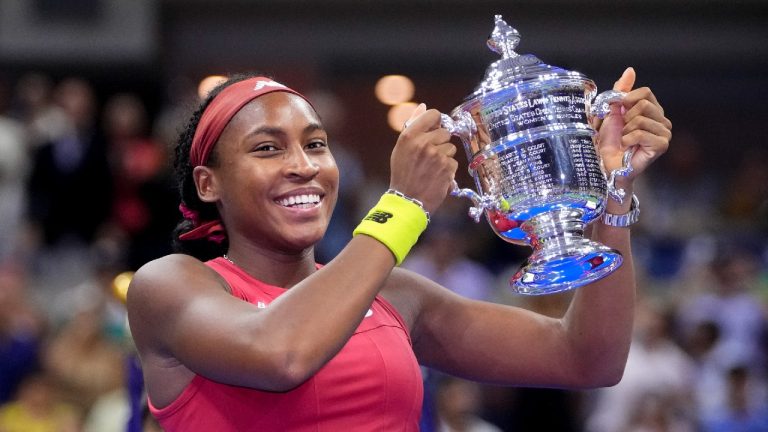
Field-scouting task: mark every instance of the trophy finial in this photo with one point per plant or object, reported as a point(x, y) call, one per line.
point(504, 38)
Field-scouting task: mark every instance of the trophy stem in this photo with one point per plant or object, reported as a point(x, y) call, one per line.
point(563, 258)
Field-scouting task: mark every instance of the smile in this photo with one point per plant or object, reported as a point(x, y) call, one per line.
point(300, 201)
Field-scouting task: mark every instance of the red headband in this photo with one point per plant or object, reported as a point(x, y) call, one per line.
point(215, 118)
point(221, 110)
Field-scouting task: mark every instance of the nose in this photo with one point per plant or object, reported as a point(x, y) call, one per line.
point(301, 165)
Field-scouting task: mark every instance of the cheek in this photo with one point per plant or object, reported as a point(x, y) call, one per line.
point(330, 172)
point(331, 182)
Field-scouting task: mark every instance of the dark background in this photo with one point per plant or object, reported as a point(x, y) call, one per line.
point(705, 60)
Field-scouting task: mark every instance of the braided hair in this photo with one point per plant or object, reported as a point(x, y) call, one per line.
point(202, 249)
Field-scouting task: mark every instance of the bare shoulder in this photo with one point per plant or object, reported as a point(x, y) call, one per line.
point(179, 264)
point(159, 277)
point(162, 286)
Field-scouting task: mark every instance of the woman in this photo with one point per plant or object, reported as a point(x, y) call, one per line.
point(246, 332)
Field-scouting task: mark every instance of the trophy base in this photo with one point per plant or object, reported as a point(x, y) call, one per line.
point(563, 259)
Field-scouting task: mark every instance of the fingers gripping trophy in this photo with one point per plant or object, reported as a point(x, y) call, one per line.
point(539, 179)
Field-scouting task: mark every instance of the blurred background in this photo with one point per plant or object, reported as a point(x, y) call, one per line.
point(93, 94)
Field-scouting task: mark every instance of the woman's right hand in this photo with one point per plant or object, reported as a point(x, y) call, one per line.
point(422, 163)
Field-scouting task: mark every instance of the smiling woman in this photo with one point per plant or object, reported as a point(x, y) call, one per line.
point(242, 330)
point(229, 117)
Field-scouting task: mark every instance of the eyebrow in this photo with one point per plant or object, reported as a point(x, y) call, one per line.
point(312, 127)
point(269, 130)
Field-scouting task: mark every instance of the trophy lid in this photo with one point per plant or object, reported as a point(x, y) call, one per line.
point(513, 69)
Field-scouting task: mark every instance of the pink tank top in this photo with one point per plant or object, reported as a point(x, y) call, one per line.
point(373, 384)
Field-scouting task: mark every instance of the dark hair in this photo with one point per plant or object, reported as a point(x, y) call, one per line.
point(203, 249)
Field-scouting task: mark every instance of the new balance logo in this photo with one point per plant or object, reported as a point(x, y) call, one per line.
point(379, 216)
point(261, 84)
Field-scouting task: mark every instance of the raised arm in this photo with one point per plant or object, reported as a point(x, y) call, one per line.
point(589, 345)
point(599, 321)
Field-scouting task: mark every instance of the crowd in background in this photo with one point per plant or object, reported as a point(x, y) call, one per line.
point(86, 193)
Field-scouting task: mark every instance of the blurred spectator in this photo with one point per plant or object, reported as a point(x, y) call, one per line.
point(732, 305)
point(725, 328)
point(745, 201)
point(709, 377)
point(112, 408)
point(94, 293)
point(22, 330)
point(742, 413)
point(458, 407)
point(70, 184)
point(69, 192)
point(144, 208)
point(656, 390)
point(37, 408)
point(45, 121)
point(83, 361)
point(14, 169)
point(653, 414)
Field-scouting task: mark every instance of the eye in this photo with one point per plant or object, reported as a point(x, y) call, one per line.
point(317, 145)
point(265, 147)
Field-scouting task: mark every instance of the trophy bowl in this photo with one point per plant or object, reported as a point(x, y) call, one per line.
point(531, 154)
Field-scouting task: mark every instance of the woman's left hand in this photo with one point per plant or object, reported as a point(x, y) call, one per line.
point(637, 122)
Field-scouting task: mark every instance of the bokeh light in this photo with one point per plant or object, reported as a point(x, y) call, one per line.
point(209, 83)
point(394, 89)
point(120, 285)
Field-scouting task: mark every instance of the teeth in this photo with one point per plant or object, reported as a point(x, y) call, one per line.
point(300, 199)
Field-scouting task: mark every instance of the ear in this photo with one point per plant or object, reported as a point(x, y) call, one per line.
point(206, 184)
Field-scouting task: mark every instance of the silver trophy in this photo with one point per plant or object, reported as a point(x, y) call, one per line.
point(540, 181)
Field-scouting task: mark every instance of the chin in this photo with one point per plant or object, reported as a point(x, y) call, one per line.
point(300, 241)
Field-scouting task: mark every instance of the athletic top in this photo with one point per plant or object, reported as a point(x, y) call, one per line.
point(373, 384)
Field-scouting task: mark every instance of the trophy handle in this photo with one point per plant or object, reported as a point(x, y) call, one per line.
point(619, 194)
point(602, 103)
point(481, 202)
point(463, 126)
point(600, 108)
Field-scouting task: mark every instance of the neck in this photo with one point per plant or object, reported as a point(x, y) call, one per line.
point(278, 269)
